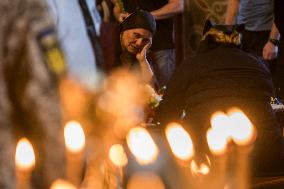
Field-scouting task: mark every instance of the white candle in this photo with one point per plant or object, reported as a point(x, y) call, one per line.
point(142, 145)
point(181, 146)
point(119, 159)
point(179, 141)
point(243, 134)
point(75, 142)
point(25, 162)
point(217, 139)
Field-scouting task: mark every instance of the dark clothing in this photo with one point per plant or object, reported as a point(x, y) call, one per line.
point(278, 20)
point(279, 15)
point(279, 76)
point(200, 79)
point(163, 38)
point(253, 42)
point(217, 78)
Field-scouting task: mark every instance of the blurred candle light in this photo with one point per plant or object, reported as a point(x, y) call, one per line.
point(25, 163)
point(119, 159)
point(218, 138)
point(243, 134)
point(142, 145)
point(74, 137)
point(242, 130)
point(220, 123)
point(62, 184)
point(117, 155)
point(75, 142)
point(217, 141)
point(201, 169)
point(179, 141)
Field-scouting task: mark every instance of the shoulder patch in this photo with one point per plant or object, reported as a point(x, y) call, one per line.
point(51, 51)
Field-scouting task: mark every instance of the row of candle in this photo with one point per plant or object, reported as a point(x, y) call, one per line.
point(233, 126)
point(25, 158)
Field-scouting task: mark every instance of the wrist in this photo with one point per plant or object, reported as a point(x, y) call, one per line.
point(275, 42)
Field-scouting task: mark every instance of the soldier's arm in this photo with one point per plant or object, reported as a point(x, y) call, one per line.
point(34, 66)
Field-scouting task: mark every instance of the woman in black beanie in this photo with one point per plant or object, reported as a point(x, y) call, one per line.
point(136, 33)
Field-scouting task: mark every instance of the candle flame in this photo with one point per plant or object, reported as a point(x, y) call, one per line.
point(25, 157)
point(74, 136)
point(242, 130)
point(219, 135)
point(142, 145)
point(62, 184)
point(217, 141)
point(179, 141)
point(202, 169)
point(221, 123)
point(117, 155)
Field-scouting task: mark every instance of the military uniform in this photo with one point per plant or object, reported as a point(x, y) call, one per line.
point(30, 64)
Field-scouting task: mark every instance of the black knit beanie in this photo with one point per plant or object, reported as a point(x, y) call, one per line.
point(139, 19)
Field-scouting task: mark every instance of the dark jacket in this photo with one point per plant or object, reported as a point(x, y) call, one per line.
point(218, 78)
point(215, 72)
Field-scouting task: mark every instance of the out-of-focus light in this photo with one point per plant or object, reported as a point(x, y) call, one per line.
point(179, 141)
point(142, 145)
point(202, 169)
point(74, 137)
point(220, 123)
point(217, 141)
point(242, 130)
point(145, 180)
point(62, 184)
point(117, 155)
point(25, 157)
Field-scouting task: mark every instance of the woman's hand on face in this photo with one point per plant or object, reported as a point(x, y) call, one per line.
point(142, 56)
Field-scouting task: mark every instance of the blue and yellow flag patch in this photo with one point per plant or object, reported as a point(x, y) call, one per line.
point(51, 51)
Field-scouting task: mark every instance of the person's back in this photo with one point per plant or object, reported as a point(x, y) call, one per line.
point(228, 69)
point(220, 77)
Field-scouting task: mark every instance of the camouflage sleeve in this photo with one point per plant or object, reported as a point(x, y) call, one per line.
point(34, 65)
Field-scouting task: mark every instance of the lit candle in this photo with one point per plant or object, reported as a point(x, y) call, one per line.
point(25, 162)
point(75, 142)
point(179, 141)
point(119, 159)
point(142, 145)
point(62, 184)
point(243, 134)
point(218, 137)
point(201, 169)
point(182, 148)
